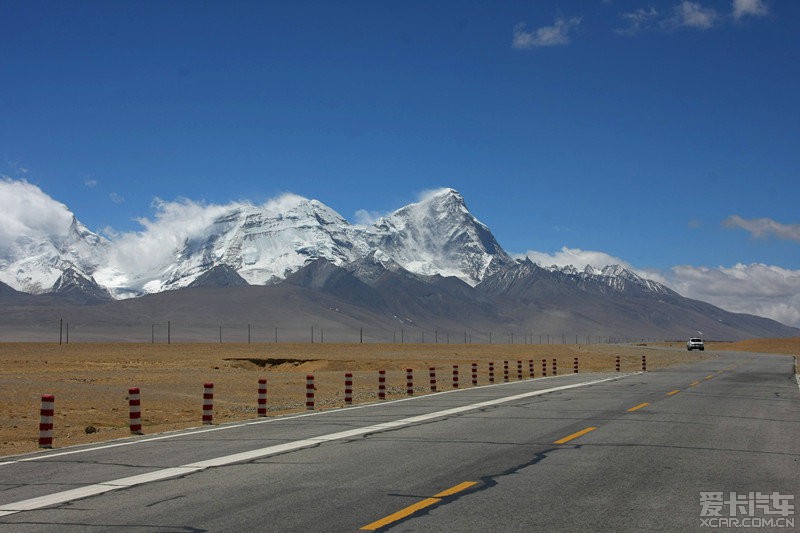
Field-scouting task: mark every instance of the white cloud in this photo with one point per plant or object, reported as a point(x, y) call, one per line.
point(692, 15)
point(368, 218)
point(574, 257)
point(754, 8)
point(27, 211)
point(557, 34)
point(764, 227)
point(116, 198)
point(155, 245)
point(580, 259)
point(638, 20)
point(684, 15)
point(758, 289)
point(90, 183)
point(147, 251)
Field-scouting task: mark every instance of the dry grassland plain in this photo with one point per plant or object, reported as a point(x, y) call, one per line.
point(90, 381)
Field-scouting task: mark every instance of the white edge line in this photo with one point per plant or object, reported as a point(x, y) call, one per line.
point(167, 473)
point(796, 375)
point(126, 441)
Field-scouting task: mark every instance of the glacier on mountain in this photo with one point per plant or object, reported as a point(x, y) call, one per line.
point(36, 263)
point(264, 244)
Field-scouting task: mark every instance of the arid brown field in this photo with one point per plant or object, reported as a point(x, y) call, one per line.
point(90, 381)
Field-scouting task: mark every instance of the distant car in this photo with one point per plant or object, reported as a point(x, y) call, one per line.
point(695, 343)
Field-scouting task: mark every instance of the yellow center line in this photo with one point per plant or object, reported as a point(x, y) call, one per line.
point(694, 383)
point(454, 490)
point(632, 409)
point(411, 509)
point(709, 376)
point(575, 435)
point(676, 391)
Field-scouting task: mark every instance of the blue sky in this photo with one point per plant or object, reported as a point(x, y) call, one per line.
point(664, 134)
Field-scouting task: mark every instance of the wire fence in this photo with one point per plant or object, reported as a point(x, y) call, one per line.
point(65, 332)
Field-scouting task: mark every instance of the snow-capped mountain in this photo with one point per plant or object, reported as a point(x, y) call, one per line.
point(439, 236)
point(430, 264)
point(37, 264)
point(264, 244)
point(526, 280)
point(616, 277)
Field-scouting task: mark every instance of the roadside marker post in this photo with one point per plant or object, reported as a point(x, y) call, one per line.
point(491, 372)
point(505, 371)
point(544, 368)
point(135, 410)
point(555, 367)
point(474, 374)
point(381, 384)
point(530, 368)
point(208, 403)
point(455, 376)
point(410, 381)
point(519, 370)
point(616, 364)
point(46, 414)
point(348, 388)
point(432, 374)
point(262, 397)
point(644, 363)
point(575, 365)
point(309, 392)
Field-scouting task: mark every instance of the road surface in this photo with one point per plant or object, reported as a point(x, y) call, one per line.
point(607, 452)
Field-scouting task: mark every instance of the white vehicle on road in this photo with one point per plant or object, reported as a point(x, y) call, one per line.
point(695, 343)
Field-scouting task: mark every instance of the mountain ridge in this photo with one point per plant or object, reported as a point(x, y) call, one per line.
point(430, 262)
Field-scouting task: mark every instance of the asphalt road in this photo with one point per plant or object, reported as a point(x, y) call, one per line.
point(520, 456)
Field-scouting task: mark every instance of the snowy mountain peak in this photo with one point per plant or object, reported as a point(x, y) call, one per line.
point(438, 235)
point(35, 262)
point(194, 244)
point(265, 243)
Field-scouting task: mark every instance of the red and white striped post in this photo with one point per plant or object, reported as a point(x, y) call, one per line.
point(46, 421)
point(208, 403)
point(432, 374)
point(262, 397)
point(348, 388)
point(544, 368)
point(616, 363)
point(491, 372)
point(505, 371)
point(575, 365)
point(455, 376)
point(519, 370)
point(644, 363)
point(530, 368)
point(474, 374)
point(135, 410)
point(381, 384)
point(309, 392)
point(555, 367)
point(410, 381)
